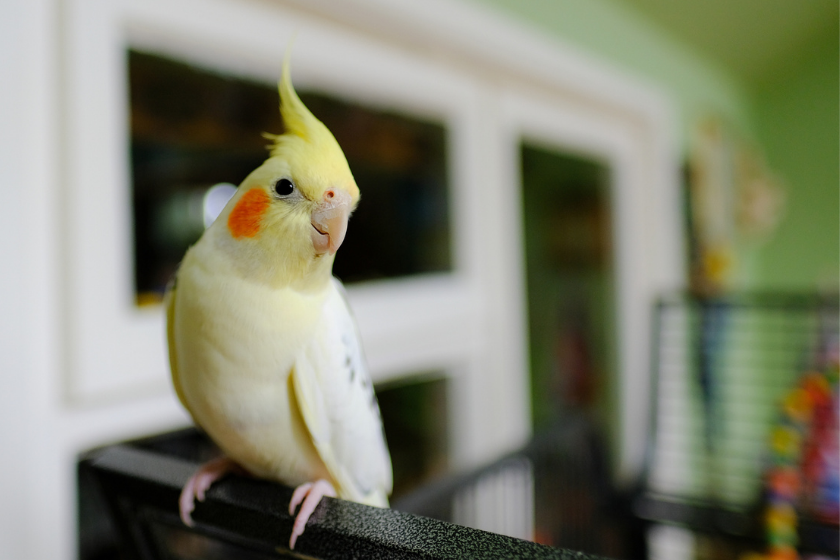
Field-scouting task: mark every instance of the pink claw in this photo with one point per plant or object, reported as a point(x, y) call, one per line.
point(312, 492)
point(200, 482)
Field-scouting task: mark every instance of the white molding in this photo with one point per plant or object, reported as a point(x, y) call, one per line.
point(109, 348)
point(29, 345)
point(86, 428)
point(104, 326)
point(643, 231)
point(490, 46)
point(414, 325)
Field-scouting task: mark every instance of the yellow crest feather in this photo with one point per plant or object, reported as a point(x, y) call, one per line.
point(312, 153)
point(299, 122)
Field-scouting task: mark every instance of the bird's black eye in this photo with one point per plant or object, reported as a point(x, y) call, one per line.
point(284, 187)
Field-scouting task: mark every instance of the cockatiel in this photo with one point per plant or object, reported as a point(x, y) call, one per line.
point(263, 350)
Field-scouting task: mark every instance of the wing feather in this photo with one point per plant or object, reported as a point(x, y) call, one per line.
point(339, 407)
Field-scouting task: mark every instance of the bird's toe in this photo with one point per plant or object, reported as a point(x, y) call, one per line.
point(310, 493)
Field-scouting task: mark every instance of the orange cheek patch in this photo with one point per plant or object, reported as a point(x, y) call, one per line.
point(245, 219)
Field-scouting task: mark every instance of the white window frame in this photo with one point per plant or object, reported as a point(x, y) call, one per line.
point(470, 324)
point(417, 324)
point(642, 255)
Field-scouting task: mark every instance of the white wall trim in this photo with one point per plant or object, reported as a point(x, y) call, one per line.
point(458, 32)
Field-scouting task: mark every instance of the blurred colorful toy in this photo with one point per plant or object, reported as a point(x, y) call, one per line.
point(804, 471)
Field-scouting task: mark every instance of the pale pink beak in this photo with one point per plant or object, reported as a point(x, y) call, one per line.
point(329, 221)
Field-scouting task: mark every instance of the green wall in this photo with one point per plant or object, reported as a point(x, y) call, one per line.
point(798, 123)
point(793, 119)
point(613, 33)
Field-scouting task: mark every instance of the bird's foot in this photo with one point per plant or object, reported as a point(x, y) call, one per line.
point(310, 494)
point(197, 485)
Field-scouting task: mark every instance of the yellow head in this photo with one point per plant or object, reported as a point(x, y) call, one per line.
point(289, 216)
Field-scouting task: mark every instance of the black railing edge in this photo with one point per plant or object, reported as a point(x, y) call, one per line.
point(745, 524)
point(254, 511)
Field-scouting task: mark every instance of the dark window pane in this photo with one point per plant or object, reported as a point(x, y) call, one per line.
point(192, 129)
point(571, 308)
point(570, 284)
point(415, 421)
point(401, 226)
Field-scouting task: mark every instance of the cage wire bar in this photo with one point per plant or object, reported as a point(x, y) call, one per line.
point(721, 367)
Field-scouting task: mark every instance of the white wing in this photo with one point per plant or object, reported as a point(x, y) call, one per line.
point(339, 407)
